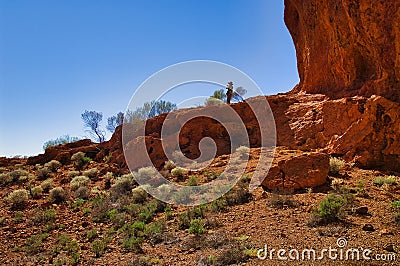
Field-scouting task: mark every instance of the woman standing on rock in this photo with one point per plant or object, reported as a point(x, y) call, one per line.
point(229, 92)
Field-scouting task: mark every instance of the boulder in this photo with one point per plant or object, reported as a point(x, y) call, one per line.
point(293, 170)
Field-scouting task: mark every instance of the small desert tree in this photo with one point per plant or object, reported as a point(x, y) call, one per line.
point(149, 110)
point(92, 120)
point(114, 121)
point(60, 140)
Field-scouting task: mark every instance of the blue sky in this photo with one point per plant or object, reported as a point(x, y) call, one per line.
point(58, 58)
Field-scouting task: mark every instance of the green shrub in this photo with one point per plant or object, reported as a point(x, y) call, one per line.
point(336, 165)
point(53, 165)
point(18, 217)
point(179, 172)
point(17, 174)
point(147, 173)
point(123, 186)
point(92, 234)
point(18, 197)
point(77, 203)
point(196, 227)
point(98, 247)
point(193, 181)
point(282, 201)
point(91, 173)
point(40, 216)
point(79, 159)
point(385, 180)
point(36, 192)
point(43, 172)
point(329, 209)
point(5, 179)
point(243, 152)
point(139, 195)
point(82, 193)
point(34, 243)
point(154, 232)
point(57, 195)
point(72, 174)
point(169, 165)
point(213, 102)
point(133, 244)
point(79, 181)
point(47, 184)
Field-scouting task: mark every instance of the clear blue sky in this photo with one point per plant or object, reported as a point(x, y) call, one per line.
point(58, 58)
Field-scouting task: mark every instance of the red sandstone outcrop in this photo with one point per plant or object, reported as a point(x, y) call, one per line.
point(293, 170)
point(346, 48)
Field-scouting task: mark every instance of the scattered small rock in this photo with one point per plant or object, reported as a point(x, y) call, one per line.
point(362, 210)
point(368, 228)
point(385, 232)
point(390, 248)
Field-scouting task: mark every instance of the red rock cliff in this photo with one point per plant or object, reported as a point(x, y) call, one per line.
point(346, 47)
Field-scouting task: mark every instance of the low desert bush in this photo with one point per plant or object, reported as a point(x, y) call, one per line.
point(122, 186)
point(43, 172)
point(53, 165)
point(169, 165)
point(16, 175)
point(146, 173)
point(47, 184)
point(179, 172)
point(82, 193)
point(330, 209)
point(18, 197)
point(196, 226)
point(72, 174)
point(57, 195)
point(79, 159)
point(92, 234)
point(79, 181)
point(36, 192)
point(139, 195)
point(336, 165)
point(243, 151)
point(279, 201)
point(5, 179)
point(154, 232)
point(213, 102)
point(91, 173)
point(385, 181)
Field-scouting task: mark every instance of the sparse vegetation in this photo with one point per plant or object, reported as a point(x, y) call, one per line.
point(385, 181)
point(282, 201)
point(79, 159)
point(18, 197)
point(336, 165)
point(57, 195)
point(79, 181)
point(243, 151)
point(330, 209)
point(47, 184)
point(196, 227)
point(179, 172)
point(36, 192)
point(53, 165)
point(91, 173)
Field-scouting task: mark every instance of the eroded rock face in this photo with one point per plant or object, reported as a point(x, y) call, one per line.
point(63, 153)
point(346, 48)
point(292, 170)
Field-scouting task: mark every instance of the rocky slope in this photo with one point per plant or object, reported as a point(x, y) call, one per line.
point(346, 48)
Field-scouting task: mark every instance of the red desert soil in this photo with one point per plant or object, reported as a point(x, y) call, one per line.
point(280, 221)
